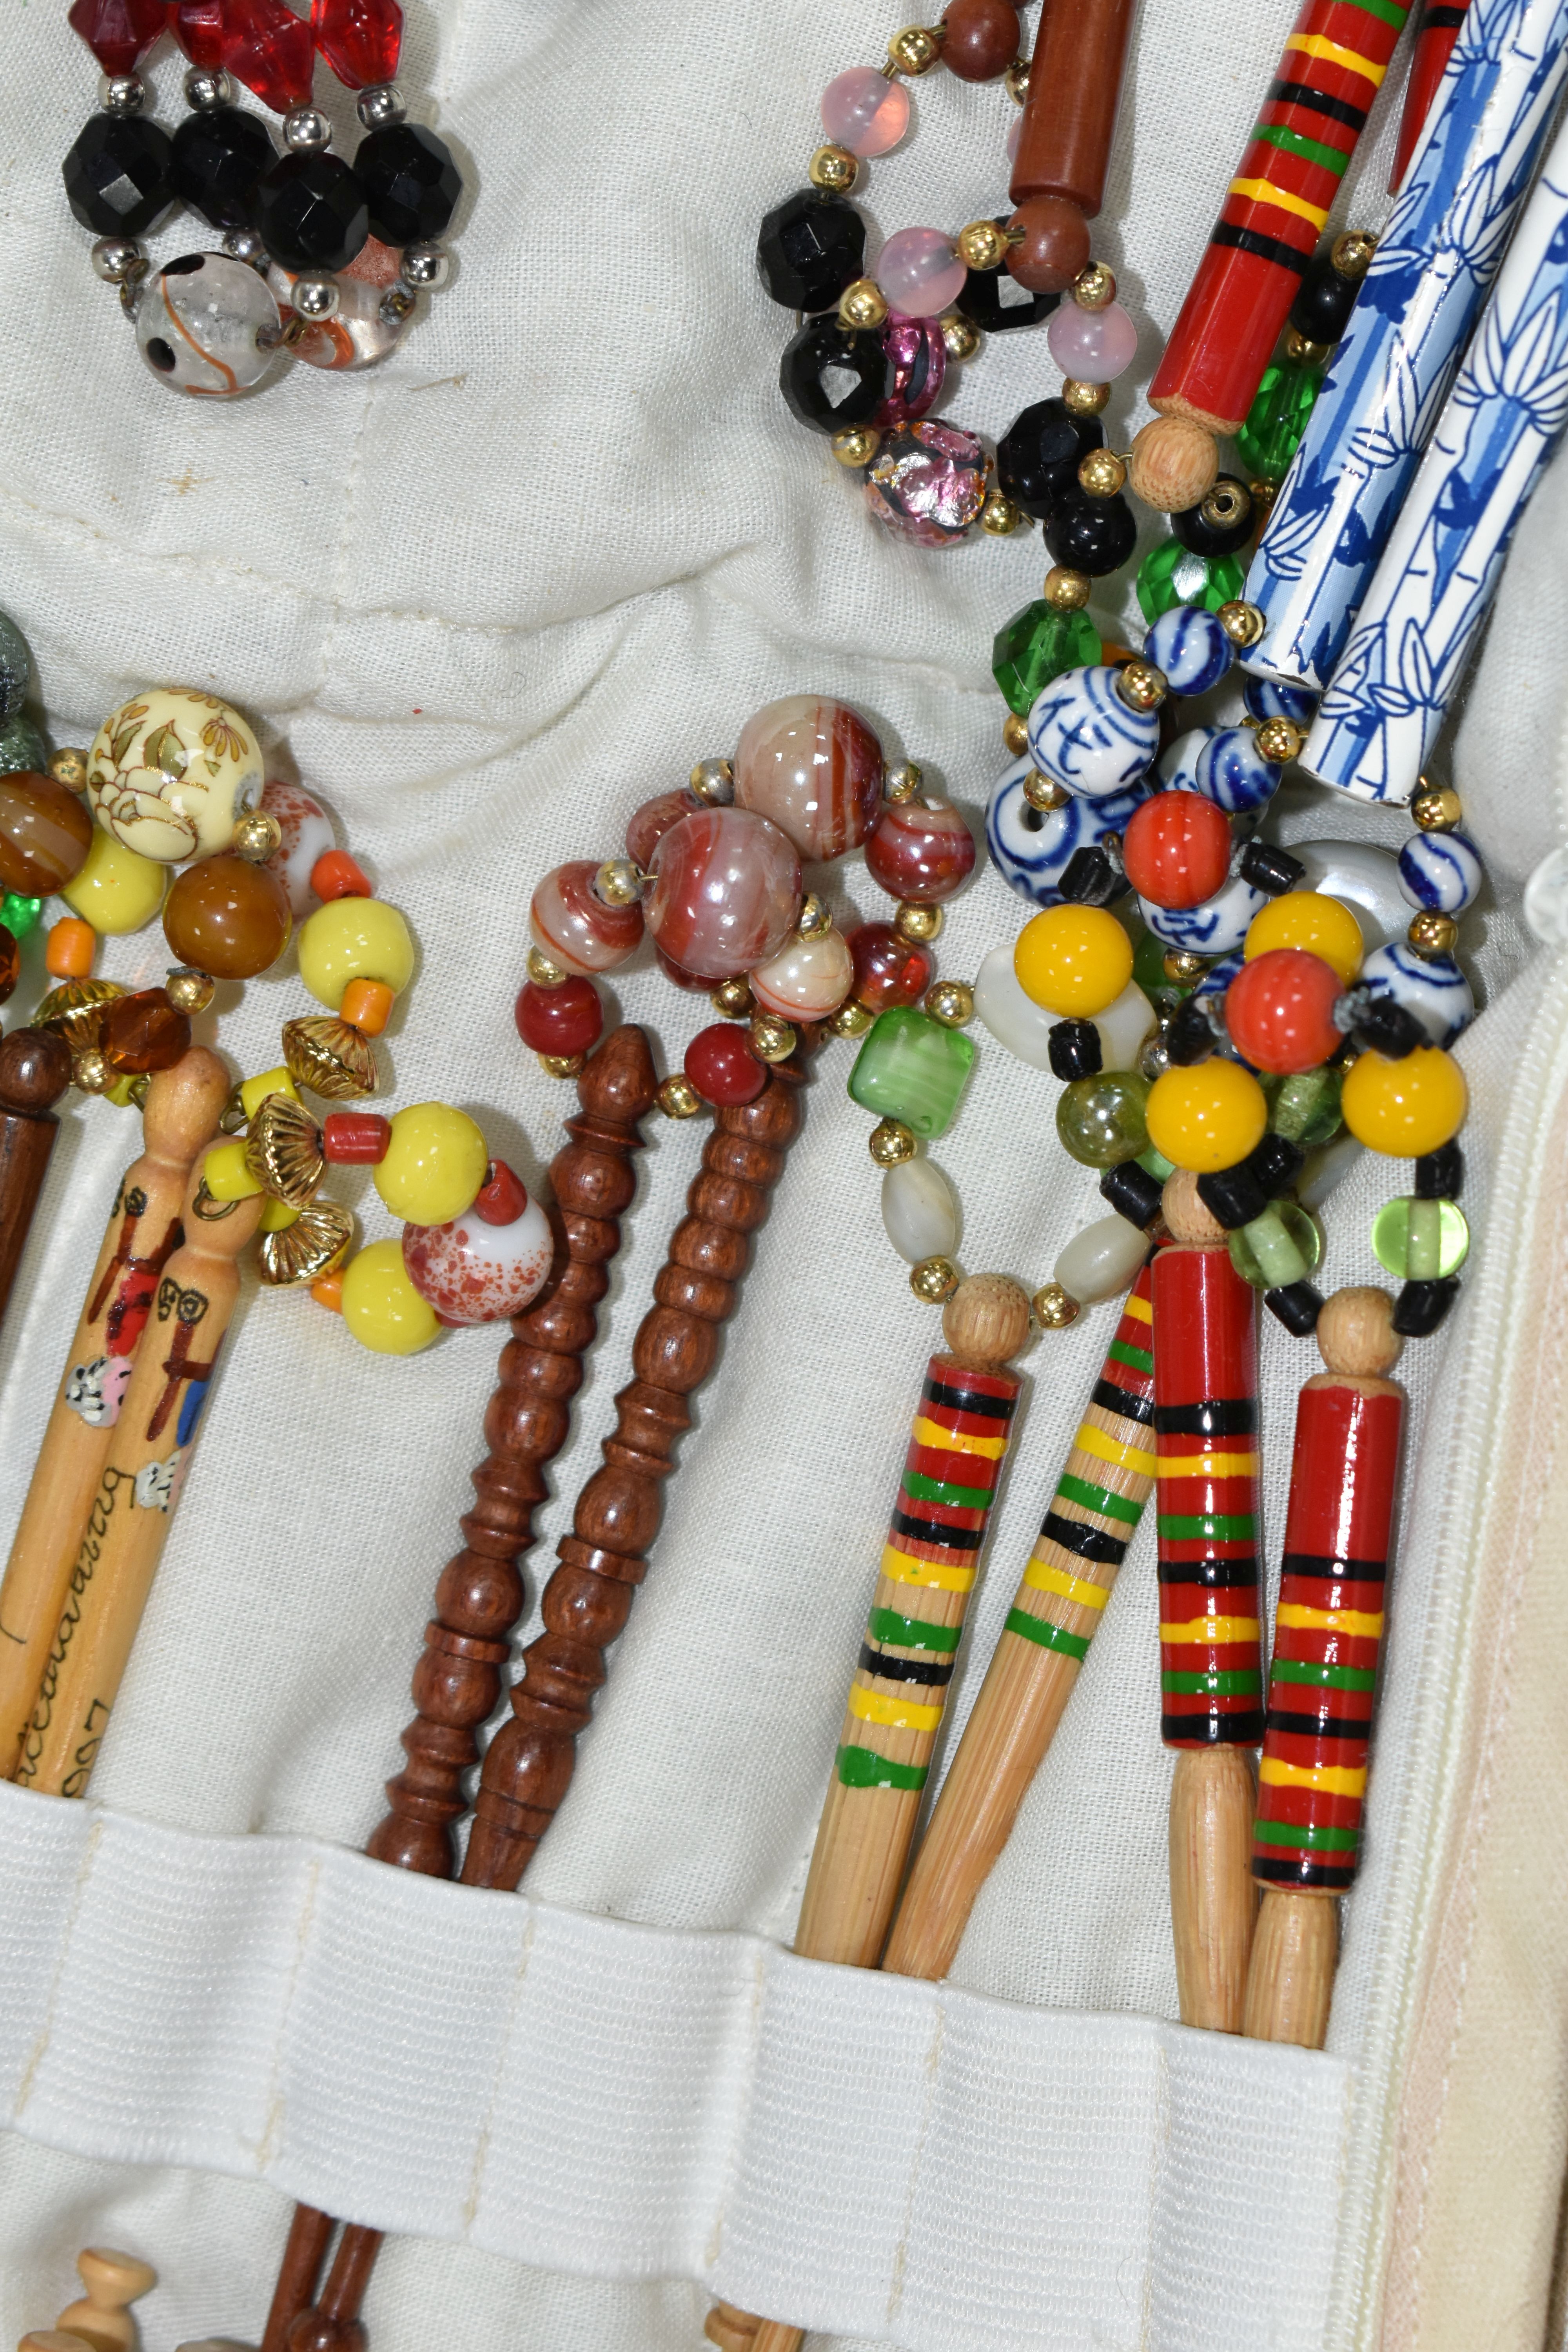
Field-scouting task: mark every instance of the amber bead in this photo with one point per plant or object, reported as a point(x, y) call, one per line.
point(146, 1031)
point(10, 962)
point(889, 969)
point(45, 834)
point(227, 917)
point(1055, 245)
point(981, 39)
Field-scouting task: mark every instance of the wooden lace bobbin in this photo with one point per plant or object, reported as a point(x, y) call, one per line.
point(1064, 142)
point(1206, 1423)
point(128, 1524)
point(34, 1071)
point(1098, 1503)
point(52, 2339)
point(1328, 1635)
point(101, 2319)
point(179, 1118)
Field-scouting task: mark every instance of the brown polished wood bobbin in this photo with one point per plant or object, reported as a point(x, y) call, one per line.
point(34, 1071)
point(1064, 143)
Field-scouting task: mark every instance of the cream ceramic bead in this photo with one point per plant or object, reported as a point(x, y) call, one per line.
point(1123, 1028)
point(807, 979)
point(1100, 1262)
point(171, 772)
point(920, 1212)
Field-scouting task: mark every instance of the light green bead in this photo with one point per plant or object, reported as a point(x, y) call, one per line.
point(1038, 644)
point(1305, 1108)
point(1155, 1164)
point(1170, 574)
point(1421, 1241)
point(1100, 1119)
point(1278, 1248)
point(912, 1068)
point(18, 914)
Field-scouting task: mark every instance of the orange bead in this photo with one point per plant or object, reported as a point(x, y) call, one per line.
point(335, 876)
point(367, 1006)
point(70, 951)
point(328, 1292)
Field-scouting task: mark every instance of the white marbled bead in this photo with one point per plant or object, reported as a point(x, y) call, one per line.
point(1101, 1261)
point(1440, 870)
point(920, 1212)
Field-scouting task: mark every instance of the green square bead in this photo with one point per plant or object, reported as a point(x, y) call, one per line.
point(912, 1068)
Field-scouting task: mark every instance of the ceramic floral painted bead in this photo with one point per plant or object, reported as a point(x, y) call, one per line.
point(1032, 847)
point(306, 835)
point(206, 325)
point(1189, 646)
point(1431, 987)
point(474, 1273)
point(1217, 928)
point(813, 768)
point(1230, 771)
point(1083, 736)
point(1441, 871)
point(171, 772)
point(1179, 760)
point(356, 337)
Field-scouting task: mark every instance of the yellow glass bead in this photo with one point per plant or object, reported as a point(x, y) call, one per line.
point(113, 889)
point(1206, 1116)
point(1075, 960)
point(435, 1164)
point(354, 939)
point(277, 1216)
point(1307, 919)
point(254, 1092)
point(381, 1305)
point(227, 1176)
point(1407, 1107)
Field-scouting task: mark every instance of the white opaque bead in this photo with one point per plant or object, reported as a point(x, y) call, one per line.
point(1101, 1261)
point(920, 1212)
point(1123, 1028)
point(1024, 1027)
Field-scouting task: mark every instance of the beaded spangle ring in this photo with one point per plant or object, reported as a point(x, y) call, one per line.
point(321, 259)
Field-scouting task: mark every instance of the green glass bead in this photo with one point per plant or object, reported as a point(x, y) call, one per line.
point(1278, 1248)
point(912, 1068)
point(1421, 1241)
point(21, 746)
point(1306, 1109)
point(1038, 644)
point(19, 915)
point(1154, 1163)
point(1278, 418)
point(1149, 971)
point(1100, 1119)
point(1170, 574)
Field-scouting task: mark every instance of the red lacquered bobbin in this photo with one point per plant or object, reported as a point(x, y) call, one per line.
point(564, 1020)
point(355, 1139)
point(1280, 1009)
point(889, 969)
point(921, 850)
point(335, 874)
point(721, 1065)
point(1176, 849)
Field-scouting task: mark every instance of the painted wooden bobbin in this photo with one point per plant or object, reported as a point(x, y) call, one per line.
point(113, 2281)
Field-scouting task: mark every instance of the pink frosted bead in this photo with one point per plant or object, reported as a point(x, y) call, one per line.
point(920, 364)
point(1095, 346)
point(864, 112)
point(813, 768)
point(920, 272)
point(927, 482)
point(807, 979)
point(577, 929)
point(726, 892)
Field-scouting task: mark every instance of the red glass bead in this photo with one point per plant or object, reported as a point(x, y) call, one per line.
point(502, 1197)
point(1279, 1011)
point(119, 32)
point(198, 26)
point(889, 969)
point(146, 1031)
point(920, 849)
point(360, 40)
point(564, 1020)
point(1176, 849)
point(647, 825)
point(721, 1065)
point(335, 874)
point(355, 1139)
point(269, 49)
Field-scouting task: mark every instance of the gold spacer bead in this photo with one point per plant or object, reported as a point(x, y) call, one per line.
point(543, 972)
point(69, 767)
point(619, 882)
point(1263, 493)
point(851, 1020)
point(1352, 254)
point(1431, 934)
point(1000, 517)
point(256, 836)
point(561, 1066)
point(934, 1280)
point(733, 999)
point(1066, 590)
point(1279, 740)
point(1181, 965)
point(834, 169)
point(855, 444)
point(1041, 793)
point(677, 1098)
point(891, 1143)
point(981, 245)
point(1226, 505)
point(1015, 734)
point(771, 1039)
point(1054, 1308)
point(1141, 685)
point(1305, 353)
point(1242, 623)
point(1084, 399)
point(951, 1001)
point(1102, 473)
point(915, 49)
point(863, 305)
point(961, 336)
point(902, 779)
point(913, 919)
point(91, 1073)
point(815, 918)
point(187, 990)
point(713, 782)
point(1437, 808)
point(1017, 80)
point(1094, 286)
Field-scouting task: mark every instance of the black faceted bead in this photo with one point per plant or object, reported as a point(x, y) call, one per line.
point(1297, 1307)
point(1324, 301)
point(1232, 1196)
point(1277, 1162)
point(1220, 524)
point(1421, 1307)
point(1092, 535)
point(218, 158)
point(809, 249)
point(1038, 456)
point(1269, 868)
point(1132, 1193)
point(833, 375)
point(982, 303)
point(1073, 1049)
point(1389, 1029)
point(1440, 1174)
point(310, 211)
point(410, 182)
point(1092, 877)
point(119, 175)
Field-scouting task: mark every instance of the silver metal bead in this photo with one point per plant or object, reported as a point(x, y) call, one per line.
point(305, 131)
point(380, 104)
point(121, 93)
point(713, 781)
point(118, 258)
point(396, 304)
point(248, 245)
point(208, 86)
point(315, 294)
point(426, 265)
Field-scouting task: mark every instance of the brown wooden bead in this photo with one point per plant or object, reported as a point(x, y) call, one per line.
point(1188, 1217)
point(1174, 464)
point(1054, 247)
point(145, 1032)
point(986, 1320)
point(981, 39)
point(45, 834)
point(34, 1071)
point(225, 916)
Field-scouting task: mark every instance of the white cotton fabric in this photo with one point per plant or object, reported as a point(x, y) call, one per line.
point(486, 600)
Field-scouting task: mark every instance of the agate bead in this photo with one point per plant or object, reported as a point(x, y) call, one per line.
point(1306, 920)
point(920, 1214)
point(45, 834)
point(472, 1271)
point(435, 1164)
point(354, 939)
point(1208, 1116)
point(225, 916)
point(1100, 1119)
point(920, 849)
point(889, 969)
point(1279, 1011)
point(572, 925)
point(562, 1021)
point(113, 889)
point(171, 772)
point(807, 979)
point(651, 820)
point(721, 1065)
point(144, 1032)
point(382, 1307)
point(307, 833)
point(1408, 1107)
point(1092, 346)
point(920, 272)
point(864, 112)
point(726, 892)
point(1176, 848)
point(1075, 960)
point(813, 768)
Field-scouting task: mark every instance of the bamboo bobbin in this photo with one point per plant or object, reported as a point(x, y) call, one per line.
point(113, 2281)
point(1214, 1903)
point(179, 1118)
point(129, 1522)
point(1291, 1982)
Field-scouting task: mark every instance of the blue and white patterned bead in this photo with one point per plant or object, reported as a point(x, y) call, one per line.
point(1232, 772)
point(1217, 928)
point(1084, 737)
point(1031, 847)
point(1431, 987)
point(1270, 698)
point(1190, 649)
point(1179, 760)
point(1218, 977)
point(1440, 870)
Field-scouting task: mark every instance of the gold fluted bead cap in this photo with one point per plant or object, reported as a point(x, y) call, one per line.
point(712, 780)
point(981, 245)
point(864, 304)
point(733, 999)
point(1067, 590)
point(188, 990)
point(1437, 808)
point(91, 1073)
point(563, 1065)
point(915, 49)
point(771, 1039)
point(76, 1008)
point(815, 917)
point(951, 1001)
point(1180, 966)
point(913, 920)
point(834, 169)
point(69, 767)
point(855, 446)
point(1041, 793)
point(1016, 79)
point(1094, 286)
point(678, 1099)
point(544, 970)
point(1303, 351)
point(959, 336)
point(329, 1056)
point(891, 1143)
point(1432, 934)
point(1102, 473)
point(316, 1241)
point(1352, 254)
point(934, 1279)
point(1084, 399)
point(1279, 740)
point(256, 836)
point(1242, 623)
point(851, 1020)
point(902, 779)
point(1015, 734)
point(283, 1148)
point(1054, 1308)
point(1000, 517)
point(1141, 685)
